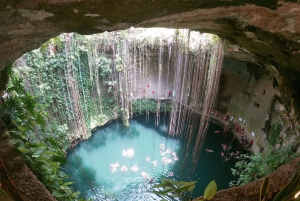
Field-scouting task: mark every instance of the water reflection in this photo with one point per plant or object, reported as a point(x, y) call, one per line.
point(120, 162)
point(123, 163)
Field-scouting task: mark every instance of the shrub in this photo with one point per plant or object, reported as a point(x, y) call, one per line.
point(251, 167)
point(145, 105)
point(274, 134)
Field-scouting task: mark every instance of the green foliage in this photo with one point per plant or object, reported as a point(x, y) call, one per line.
point(210, 190)
point(246, 169)
point(54, 43)
point(149, 105)
point(165, 106)
point(290, 132)
point(104, 66)
point(20, 107)
point(42, 162)
point(26, 123)
point(119, 64)
point(274, 134)
point(144, 105)
point(3, 193)
point(4, 76)
point(58, 147)
point(60, 76)
point(252, 167)
point(264, 189)
point(108, 104)
point(174, 189)
point(182, 190)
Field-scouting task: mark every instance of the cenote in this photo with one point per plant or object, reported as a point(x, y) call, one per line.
point(114, 75)
point(118, 163)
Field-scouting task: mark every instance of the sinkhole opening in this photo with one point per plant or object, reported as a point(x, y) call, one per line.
point(82, 83)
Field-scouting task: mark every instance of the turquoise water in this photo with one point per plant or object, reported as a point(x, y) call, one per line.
point(117, 163)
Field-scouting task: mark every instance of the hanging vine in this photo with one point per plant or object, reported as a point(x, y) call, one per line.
point(87, 80)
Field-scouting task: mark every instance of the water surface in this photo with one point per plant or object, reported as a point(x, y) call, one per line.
point(119, 163)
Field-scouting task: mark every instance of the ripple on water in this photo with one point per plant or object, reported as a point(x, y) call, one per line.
point(118, 162)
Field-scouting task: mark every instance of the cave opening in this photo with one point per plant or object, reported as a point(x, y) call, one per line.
point(81, 83)
point(264, 35)
point(86, 81)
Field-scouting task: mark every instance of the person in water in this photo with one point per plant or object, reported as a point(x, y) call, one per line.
point(209, 150)
point(226, 117)
point(207, 124)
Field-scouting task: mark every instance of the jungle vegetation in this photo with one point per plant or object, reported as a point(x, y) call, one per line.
point(81, 82)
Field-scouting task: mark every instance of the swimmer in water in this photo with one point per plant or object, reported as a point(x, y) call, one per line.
point(209, 150)
point(147, 159)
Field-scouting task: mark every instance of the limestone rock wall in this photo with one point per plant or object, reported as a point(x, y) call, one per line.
point(251, 110)
point(253, 100)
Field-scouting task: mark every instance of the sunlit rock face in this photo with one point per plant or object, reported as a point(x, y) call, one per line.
point(264, 32)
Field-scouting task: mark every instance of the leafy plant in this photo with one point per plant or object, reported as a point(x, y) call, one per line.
point(264, 189)
point(27, 126)
point(274, 134)
point(210, 191)
point(252, 167)
point(246, 169)
point(290, 132)
point(147, 105)
point(3, 195)
point(182, 189)
point(173, 189)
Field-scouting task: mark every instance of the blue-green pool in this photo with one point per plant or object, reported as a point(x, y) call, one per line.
point(119, 163)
